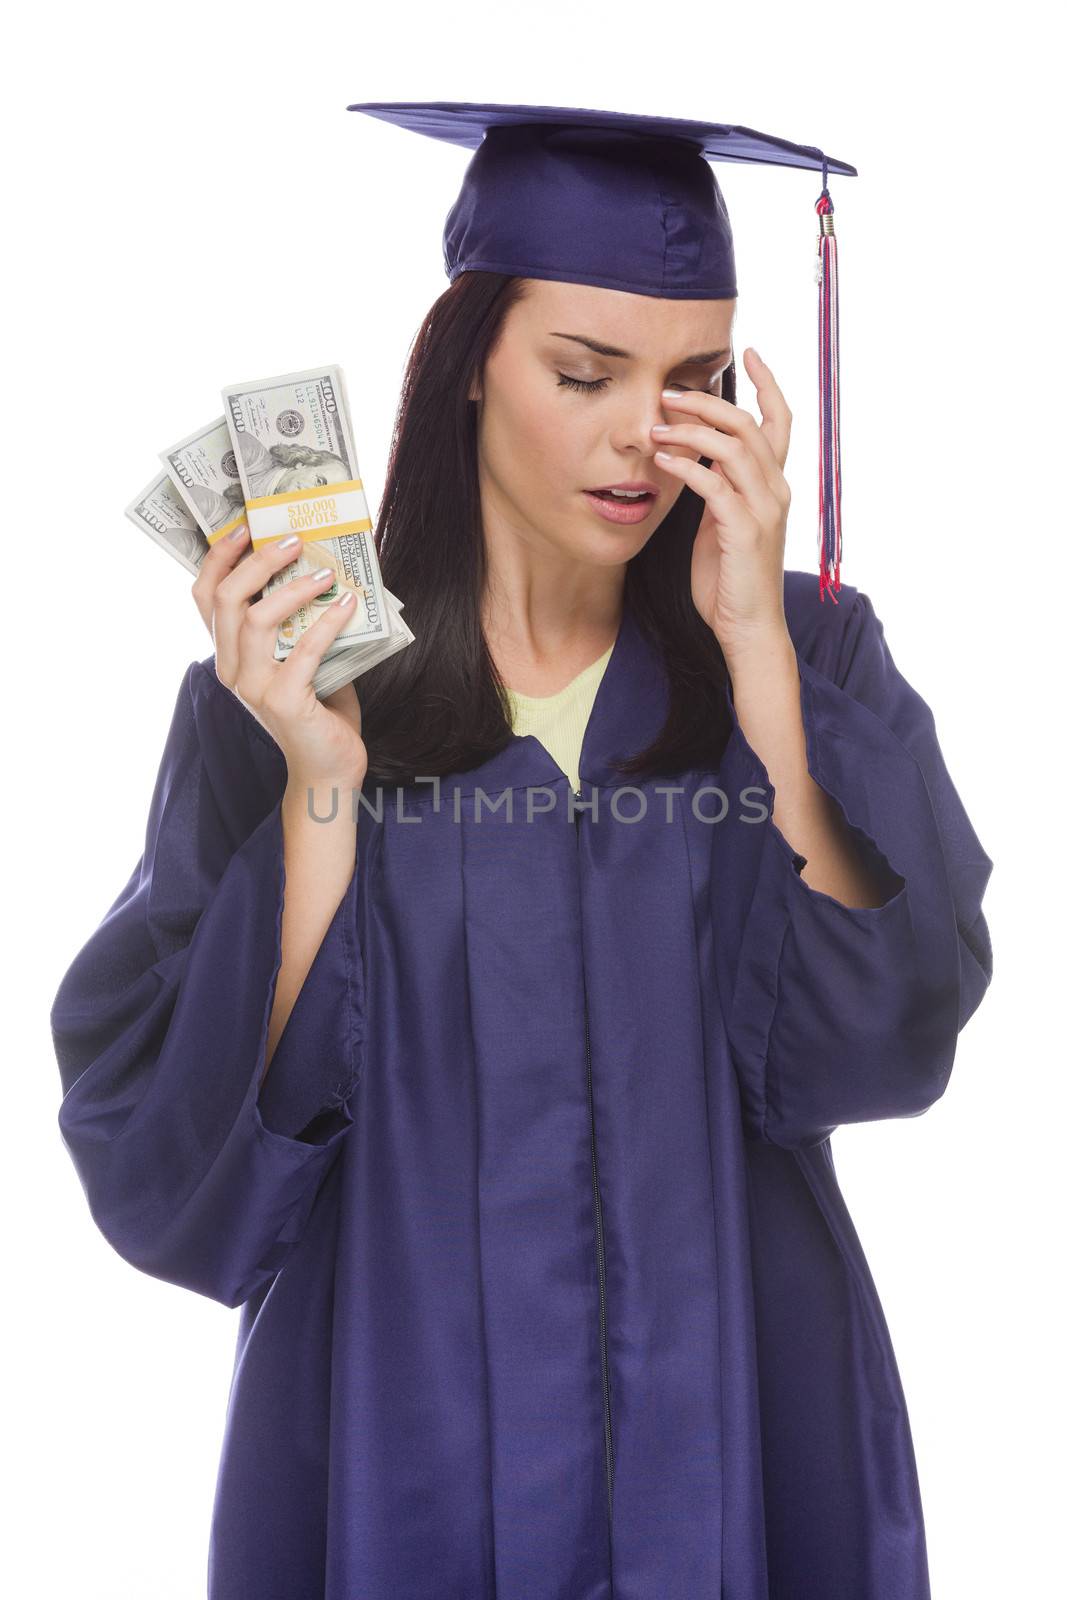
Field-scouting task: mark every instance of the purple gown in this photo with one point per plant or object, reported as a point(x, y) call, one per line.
point(547, 1288)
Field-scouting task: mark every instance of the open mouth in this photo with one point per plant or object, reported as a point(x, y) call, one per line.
point(620, 498)
point(621, 505)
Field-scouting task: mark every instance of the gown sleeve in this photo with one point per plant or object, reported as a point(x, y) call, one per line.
point(840, 1014)
point(195, 1170)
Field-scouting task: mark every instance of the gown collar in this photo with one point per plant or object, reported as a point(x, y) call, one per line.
point(628, 710)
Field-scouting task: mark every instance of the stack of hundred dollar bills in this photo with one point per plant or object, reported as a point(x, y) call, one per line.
point(282, 460)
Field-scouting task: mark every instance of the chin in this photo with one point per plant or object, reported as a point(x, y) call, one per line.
point(585, 537)
point(608, 546)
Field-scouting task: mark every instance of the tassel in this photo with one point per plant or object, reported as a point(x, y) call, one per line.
point(829, 403)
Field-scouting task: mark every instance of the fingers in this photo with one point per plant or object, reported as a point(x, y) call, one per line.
point(777, 417)
point(220, 560)
point(245, 634)
point(729, 509)
point(308, 653)
point(234, 589)
point(736, 463)
point(283, 687)
point(768, 443)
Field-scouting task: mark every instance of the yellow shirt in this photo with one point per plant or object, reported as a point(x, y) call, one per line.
point(559, 720)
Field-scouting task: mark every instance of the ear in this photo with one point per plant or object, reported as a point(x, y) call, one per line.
point(475, 398)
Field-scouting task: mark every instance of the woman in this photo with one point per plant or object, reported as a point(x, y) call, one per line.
point(504, 1114)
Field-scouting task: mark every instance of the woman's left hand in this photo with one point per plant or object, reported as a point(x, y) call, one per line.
point(739, 550)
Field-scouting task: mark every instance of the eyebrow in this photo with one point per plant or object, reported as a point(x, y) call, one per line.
point(702, 358)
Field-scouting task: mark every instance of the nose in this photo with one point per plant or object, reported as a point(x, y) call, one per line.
point(632, 433)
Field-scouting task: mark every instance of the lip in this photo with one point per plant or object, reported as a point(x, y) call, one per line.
point(635, 484)
point(621, 511)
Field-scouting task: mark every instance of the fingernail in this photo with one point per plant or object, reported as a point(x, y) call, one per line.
point(673, 394)
point(665, 455)
point(287, 544)
point(345, 599)
point(238, 532)
point(322, 572)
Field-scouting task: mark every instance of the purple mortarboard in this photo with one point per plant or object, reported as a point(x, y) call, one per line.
point(625, 202)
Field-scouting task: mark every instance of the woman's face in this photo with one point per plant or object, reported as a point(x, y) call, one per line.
point(544, 442)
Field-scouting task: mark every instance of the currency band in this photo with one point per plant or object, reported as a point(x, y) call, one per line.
point(326, 511)
point(220, 533)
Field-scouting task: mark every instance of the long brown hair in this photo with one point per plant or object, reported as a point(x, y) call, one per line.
point(439, 705)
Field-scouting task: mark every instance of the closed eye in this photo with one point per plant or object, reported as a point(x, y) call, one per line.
point(580, 383)
point(593, 386)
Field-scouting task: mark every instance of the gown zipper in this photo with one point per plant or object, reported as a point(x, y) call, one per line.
point(599, 1220)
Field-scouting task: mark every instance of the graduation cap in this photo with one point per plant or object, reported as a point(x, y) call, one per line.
point(625, 202)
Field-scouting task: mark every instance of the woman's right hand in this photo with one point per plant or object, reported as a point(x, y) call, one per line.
point(320, 739)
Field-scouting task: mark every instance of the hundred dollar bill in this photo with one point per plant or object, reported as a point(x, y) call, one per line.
point(295, 457)
point(162, 512)
point(201, 472)
point(203, 468)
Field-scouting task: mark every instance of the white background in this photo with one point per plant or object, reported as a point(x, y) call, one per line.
point(188, 203)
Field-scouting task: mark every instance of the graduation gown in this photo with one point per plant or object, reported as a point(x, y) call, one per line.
point(547, 1288)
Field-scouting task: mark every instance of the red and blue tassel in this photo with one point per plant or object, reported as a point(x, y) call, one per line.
point(829, 401)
